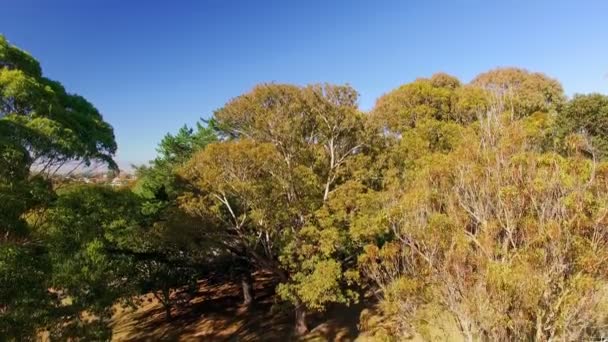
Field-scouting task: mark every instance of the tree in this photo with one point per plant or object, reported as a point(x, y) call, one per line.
point(441, 97)
point(92, 235)
point(55, 127)
point(173, 151)
point(42, 129)
point(26, 303)
point(587, 115)
point(508, 240)
point(288, 151)
point(159, 183)
point(480, 207)
point(105, 249)
point(228, 180)
point(523, 92)
point(161, 278)
point(178, 247)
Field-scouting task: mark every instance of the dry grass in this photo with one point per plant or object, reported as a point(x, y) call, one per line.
point(215, 314)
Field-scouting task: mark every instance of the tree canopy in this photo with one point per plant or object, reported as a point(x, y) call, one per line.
point(471, 211)
point(42, 128)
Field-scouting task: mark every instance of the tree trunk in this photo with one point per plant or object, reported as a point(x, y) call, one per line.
point(301, 327)
point(247, 286)
point(165, 299)
point(168, 316)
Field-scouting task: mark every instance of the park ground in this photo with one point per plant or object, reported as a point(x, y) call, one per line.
point(215, 313)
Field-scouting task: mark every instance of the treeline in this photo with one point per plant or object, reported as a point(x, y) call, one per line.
point(479, 209)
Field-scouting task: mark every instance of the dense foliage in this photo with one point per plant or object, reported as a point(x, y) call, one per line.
point(471, 211)
point(42, 128)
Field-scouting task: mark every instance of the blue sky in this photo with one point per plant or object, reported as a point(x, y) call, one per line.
point(153, 66)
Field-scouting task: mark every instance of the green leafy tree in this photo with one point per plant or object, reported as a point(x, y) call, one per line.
point(162, 278)
point(586, 115)
point(288, 152)
point(53, 126)
point(92, 235)
point(178, 247)
point(158, 180)
point(105, 249)
point(42, 129)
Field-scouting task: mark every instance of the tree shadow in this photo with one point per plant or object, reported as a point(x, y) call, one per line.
point(215, 313)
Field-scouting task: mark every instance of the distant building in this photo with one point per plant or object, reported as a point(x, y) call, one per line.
point(117, 182)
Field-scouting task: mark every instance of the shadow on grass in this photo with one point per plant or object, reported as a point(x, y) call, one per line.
point(215, 313)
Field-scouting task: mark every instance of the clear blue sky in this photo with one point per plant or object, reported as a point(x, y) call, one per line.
point(152, 66)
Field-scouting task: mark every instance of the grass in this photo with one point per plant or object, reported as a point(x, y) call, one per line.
point(215, 313)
